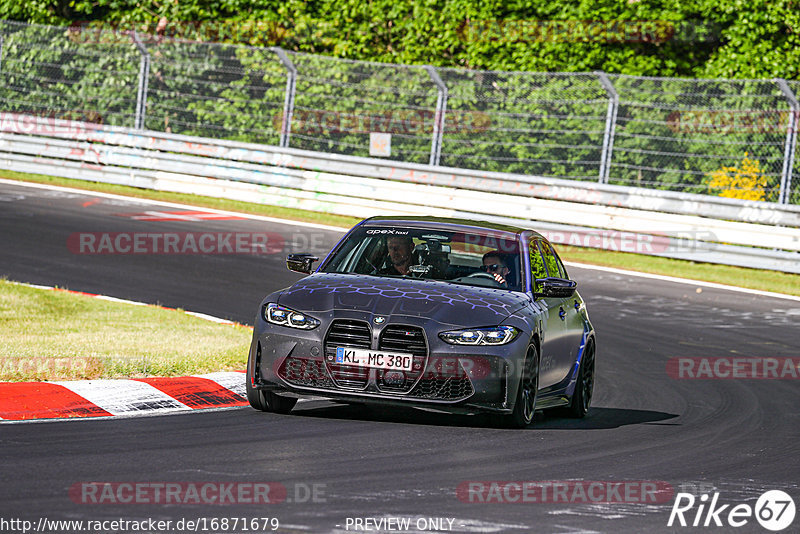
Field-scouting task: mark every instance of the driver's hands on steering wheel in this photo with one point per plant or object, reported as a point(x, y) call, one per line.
point(499, 278)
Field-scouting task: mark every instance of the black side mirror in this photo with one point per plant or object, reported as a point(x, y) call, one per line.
point(556, 287)
point(300, 263)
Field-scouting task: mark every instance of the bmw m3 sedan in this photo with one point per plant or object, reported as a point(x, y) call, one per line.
point(446, 314)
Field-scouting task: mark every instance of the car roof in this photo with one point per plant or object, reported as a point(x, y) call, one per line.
point(444, 223)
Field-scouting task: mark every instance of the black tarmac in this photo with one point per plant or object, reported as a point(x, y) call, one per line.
point(735, 437)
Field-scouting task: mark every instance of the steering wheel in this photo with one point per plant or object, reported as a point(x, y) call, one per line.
point(481, 274)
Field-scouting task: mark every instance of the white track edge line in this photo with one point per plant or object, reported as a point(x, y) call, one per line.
point(172, 204)
point(687, 281)
point(209, 317)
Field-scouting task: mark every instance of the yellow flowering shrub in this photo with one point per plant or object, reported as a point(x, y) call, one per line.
point(745, 181)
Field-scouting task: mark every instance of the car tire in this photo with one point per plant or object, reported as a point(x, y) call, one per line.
point(525, 405)
point(582, 398)
point(266, 401)
point(269, 401)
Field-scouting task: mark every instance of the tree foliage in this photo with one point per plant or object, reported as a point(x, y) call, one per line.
point(699, 38)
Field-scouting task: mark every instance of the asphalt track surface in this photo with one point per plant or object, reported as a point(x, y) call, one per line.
point(739, 437)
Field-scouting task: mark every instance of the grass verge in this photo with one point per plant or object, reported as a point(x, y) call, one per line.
point(722, 274)
point(54, 335)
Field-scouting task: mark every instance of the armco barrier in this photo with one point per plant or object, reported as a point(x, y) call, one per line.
point(678, 225)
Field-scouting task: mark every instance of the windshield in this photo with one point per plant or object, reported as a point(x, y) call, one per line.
point(487, 259)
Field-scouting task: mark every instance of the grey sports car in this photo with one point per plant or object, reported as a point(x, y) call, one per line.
point(453, 315)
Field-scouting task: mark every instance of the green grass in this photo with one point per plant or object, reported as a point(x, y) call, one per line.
point(55, 335)
point(736, 276)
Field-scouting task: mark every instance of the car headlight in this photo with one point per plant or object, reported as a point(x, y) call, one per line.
point(497, 335)
point(287, 317)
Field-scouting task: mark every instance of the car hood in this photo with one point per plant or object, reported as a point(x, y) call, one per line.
point(438, 301)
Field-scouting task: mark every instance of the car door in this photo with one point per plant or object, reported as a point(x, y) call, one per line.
point(555, 331)
point(569, 311)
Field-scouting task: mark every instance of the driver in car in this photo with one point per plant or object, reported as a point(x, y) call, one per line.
point(400, 255)
point(494, 264)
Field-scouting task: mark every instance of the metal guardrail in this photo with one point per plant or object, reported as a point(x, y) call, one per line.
point(532, 186)
point(678, 225)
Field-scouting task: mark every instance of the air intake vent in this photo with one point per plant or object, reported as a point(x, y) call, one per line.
point(443, 381)
point(347, 333)
point(305, 372)
point(408, 339)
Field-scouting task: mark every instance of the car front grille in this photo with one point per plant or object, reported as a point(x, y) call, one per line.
point(347, 333)
point(405, 339)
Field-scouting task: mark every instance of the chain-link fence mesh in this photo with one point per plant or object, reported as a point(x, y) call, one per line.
point(794, 184)
point(57, 73)
point(528, 123)
point(213, 90)
point(700, 136)
point(720, 137)
point(340, 102)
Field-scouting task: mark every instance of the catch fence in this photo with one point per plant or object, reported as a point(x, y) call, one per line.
point(730, 138)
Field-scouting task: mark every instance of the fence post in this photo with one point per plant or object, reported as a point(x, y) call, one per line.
point(441, 109)
point(144, 76)
point(791, 141)
point(288, 100)
point(611, 121)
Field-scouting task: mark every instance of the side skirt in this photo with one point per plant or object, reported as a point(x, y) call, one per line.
point(551, 398)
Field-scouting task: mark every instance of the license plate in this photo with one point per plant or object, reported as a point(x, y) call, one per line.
point(371, 358)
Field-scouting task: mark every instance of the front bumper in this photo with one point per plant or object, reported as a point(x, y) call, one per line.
point(458, 379)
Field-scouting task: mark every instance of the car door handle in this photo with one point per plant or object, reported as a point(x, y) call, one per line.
point(562, 313)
